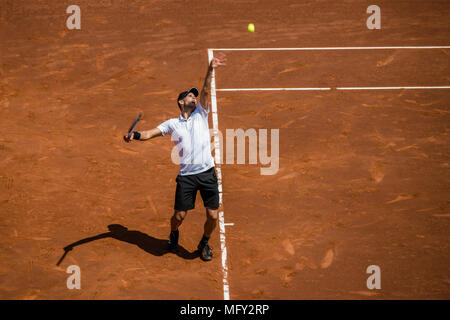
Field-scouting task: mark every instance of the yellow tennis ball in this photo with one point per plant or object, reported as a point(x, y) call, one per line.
point(251, 27)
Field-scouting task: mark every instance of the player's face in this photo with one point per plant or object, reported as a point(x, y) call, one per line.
point(190, 100)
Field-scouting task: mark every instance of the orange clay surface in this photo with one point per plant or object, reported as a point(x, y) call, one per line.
point(363, 177)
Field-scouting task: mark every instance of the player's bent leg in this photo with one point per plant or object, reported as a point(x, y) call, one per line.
point(210, 224)
point(210, 194)
point(175, 222)
point(177, 219)
point(211, 221)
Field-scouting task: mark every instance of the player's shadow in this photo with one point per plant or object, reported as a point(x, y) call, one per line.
point(154, 246)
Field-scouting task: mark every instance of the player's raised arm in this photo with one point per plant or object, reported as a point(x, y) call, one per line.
point(143, 135)
point(206, 90)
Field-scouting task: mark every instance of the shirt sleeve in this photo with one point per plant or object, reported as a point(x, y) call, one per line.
point(165, 127)
point(202, 111)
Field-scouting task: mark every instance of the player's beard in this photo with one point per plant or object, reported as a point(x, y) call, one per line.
point(190, 105)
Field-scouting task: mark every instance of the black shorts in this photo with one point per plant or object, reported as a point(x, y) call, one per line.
point(187, 187)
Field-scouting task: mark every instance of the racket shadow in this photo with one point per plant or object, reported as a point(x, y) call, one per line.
point(149, 244)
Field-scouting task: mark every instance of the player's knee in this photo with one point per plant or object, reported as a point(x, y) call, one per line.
point(180, 215)
point(212, 214)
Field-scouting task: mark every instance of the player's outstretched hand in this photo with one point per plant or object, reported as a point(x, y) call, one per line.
point(128, 139)
point(219, 60)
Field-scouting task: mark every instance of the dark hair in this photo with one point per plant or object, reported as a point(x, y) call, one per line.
point(183, 94)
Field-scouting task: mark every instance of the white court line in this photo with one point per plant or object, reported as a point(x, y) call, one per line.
point(331, 48)
point(274, 89)
point(392, 88)
point(338, 88)
point(226, 287)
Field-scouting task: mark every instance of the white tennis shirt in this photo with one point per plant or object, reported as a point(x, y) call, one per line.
point(192, 139)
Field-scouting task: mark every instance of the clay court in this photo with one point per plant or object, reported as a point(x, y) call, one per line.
point(363, 175)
